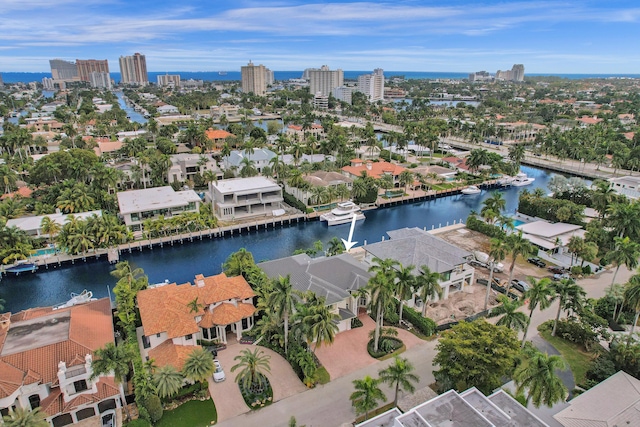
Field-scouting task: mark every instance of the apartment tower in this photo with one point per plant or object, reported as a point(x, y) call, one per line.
point(254, 79)
point(324, 80)
point(63, 70)
point(372, 85)
point(133, 69)
point(88, 66)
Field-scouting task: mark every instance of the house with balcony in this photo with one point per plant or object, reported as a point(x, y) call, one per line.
point(300, 133)
point(137, 206)
point(414, 246)
point(171, 329)
point(336, 279)
point(245, 197)
point(185, 166)
point(45, 361)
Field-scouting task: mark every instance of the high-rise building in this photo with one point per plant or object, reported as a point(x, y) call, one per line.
point(269, 77)
point(1, 81)
point(169, 80)
point(480, 76)
point(517, 73)
point(342, 93)
point(254, 79)
point(324, 80)
point(87, 66)
point(372, 85)
point(48, 83)
point(63, 70)
point(133, 69)
point(100, 80)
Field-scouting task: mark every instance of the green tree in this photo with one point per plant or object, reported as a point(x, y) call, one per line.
point(475, 354)
point(516, 246)
point(632, 299)
point(497, 252)
point(404, 283)
point(22, 417)
point(626, 252)
point(381, 291)
point(112, 360)
point(282, 300)
point(252, 365)
point(540, 294)
point(367, 395)
point(168, 380)
point(570, 297)
point(511, 317)
point(399, 375)
point(538, 376)
point(199, 365)
point(322, 323)
point(239, 263)
point(428, 287)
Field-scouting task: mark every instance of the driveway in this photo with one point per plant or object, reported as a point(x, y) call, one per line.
point(226, 395)
point(348, 353)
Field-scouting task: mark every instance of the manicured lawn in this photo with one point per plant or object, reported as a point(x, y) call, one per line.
point(576, 357)
point(194, 413)
point(323, 375)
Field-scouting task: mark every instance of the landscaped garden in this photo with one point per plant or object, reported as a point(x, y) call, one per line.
point(194, 413)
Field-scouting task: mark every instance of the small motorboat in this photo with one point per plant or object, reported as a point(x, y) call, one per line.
point(81, 298)
point(470, 190)
point(22, 267)
point(521, 180)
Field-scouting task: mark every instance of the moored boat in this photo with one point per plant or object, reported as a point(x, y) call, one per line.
point(522, 179)
point(470, 190)
point(81, 298)
point(343, 214)
point(22, 267)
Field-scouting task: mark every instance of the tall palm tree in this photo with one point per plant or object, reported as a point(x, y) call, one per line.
point(22, 417)
point(168, 380)
point(538, 376)
point(282, 300)
point(405, 281)
point(381, 291)
point(399, 373)
point(632, 299)
point(199, 365)
point(367, 395)
point(570, 297)
point(540, 294)
point(626, 252)
point(322, 323)
point(516, 246)
point(497, 252)
point(511, 317)
point(252, 366)
point(112, 360)
point(428, 286)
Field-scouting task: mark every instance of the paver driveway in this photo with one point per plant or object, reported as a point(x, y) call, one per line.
point(348, 353)
point(226, 395)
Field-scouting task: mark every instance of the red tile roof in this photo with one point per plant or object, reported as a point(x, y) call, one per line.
point(217, 134)
point(55, 404)
point(168, 353)
point(378, 169)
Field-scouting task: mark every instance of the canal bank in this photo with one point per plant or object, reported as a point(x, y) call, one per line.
point(182, 262)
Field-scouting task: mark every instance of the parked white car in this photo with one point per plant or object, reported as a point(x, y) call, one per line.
point(218, 374)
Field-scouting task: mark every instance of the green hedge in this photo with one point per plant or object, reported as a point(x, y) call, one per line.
point(555, 210)
point(386, 345)
point(476, 224)
point(292, 201)
point(426, 326)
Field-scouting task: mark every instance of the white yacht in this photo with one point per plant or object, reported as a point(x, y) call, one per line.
point(342, 214)
point(521, 180)
point(472, 189)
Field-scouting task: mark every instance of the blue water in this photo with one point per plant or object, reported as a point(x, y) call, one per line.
point(182, 262)
point(131, 113)
point(15, 77)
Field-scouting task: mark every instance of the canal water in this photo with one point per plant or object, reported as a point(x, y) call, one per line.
point(133, 115)
point(182, 262)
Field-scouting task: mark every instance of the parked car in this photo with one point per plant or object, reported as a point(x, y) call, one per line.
point(218, 373)
point(556, 269)
point(558, 277)
point(520, 285)
point(485, 282)
point(537, 262)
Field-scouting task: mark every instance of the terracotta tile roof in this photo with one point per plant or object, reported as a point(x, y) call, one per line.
point(377, 169)
point(10, 380)
point(589, 120)
point(217, 134)
point(55, 404)
point(165, 308)
point(22, 192)
point(295, 127)
point(629, 135)
point(168, 353)
point(227, 313)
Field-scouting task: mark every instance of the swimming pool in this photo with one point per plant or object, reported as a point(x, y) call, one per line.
point(45, 251)
point(517, 222)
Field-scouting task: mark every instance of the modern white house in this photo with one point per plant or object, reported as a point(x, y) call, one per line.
point(414, 246)
point(550, 236)
point(335, 278)
point(245, 197)
point(626, 186)
point(32, 225)
point(171, 329)
point(45, 361)
point(137, 206)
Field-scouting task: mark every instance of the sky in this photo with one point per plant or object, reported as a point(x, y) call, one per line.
point(575, 36)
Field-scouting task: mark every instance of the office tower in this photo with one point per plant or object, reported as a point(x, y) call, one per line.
point(325, 80)
point(342, 93)
point(269, 77)
point(372, 85)
point(63, 70)
point(133, 69)
point(172, 80)
point(517, 73)
point(87, 66)
point(100, 80)
point(253, 79)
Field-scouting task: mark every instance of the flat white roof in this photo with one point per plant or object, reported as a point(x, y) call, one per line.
point(31, 223)
point(547, 229)
point(240, 185)
point(626, 180)
point(154, 198)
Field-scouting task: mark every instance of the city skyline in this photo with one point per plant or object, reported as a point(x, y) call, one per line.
point(456, 36)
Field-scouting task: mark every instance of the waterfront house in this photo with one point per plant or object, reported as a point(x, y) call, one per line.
point(137, 206)
point(245, 197)
point(373, 169)
point(32, 225)
point(550, 236)
point(335, 278)
point(185, 166)
point(45, 361)
point(218, 137)
point(260, 158)
point(167, 109)
point(628, 186)
point(414, 246)
point(171, 326)
point(319, 179)
point(300, 133)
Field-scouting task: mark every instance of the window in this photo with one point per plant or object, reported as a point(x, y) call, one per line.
point(205, 333)
point(80, 385)
point(157, 335)
point(34, 401)
point(145, 341)
point(188, 337)
point(245, 324)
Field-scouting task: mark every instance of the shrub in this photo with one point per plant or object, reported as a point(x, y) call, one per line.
point(426, 326)
point(140, 422)
point(391, 317)
point(576, 270)
point(601, 369)
point(356, 323)
point(386, 345)
point(292, 201)
point(154, 407)
point(476, 224)
point(586, 270)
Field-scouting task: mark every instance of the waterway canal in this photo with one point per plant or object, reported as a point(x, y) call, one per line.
point(181, 263)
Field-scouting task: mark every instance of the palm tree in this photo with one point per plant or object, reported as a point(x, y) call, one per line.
point(511, 317)
point(497, 252)
point(112, 360)
point(199, 365)
point(367, 395)
point(252, 365)
point(405, 281)
point(322, 323)
point(538, 376)
point(570, 297)
point(381, 290)
point(50, 227)
point(516, 245)
point(281, 299)
point(399, 373)
point(626, 252)
point(22, 417)
point(632, 299)
point(168, 380)
point(334, 247)
point(540, 294)
point(194, 306)
point(238, 263)
point(428, 286)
